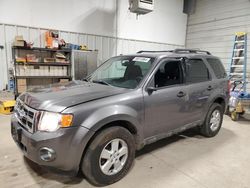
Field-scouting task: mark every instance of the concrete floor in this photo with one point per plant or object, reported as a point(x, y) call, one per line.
point(187, 160)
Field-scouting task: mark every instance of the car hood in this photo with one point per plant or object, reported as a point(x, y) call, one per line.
point(58, 97)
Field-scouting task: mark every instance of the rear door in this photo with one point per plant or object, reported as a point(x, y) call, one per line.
point(199, 88)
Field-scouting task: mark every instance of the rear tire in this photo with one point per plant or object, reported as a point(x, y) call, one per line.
point(213, 121)
point(109, 156)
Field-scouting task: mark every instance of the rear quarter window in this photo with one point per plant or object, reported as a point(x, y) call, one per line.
point(196, 71)
point(217, 67)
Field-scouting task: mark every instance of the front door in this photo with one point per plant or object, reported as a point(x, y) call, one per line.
point(165, 99)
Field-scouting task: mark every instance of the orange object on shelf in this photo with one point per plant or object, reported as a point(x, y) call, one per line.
point(49, 39)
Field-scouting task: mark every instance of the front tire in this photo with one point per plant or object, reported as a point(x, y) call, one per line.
point(109, 156)
point(213, 121)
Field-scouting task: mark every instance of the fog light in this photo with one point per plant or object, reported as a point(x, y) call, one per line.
point(47, 154)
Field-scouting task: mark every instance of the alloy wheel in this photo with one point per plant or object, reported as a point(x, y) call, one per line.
point(113, 157)
point(215, 120)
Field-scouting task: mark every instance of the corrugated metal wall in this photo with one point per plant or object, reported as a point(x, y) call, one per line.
point(107, 46)
point(214, 24)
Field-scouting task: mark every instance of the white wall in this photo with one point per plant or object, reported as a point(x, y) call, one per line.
point(105, 25)
point(89, 16)
point(167, 24)
point(214, 24)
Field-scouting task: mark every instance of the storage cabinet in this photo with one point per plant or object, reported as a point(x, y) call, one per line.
point(84, 63)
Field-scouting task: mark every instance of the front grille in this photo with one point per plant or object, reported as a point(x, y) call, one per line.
point(25, 115)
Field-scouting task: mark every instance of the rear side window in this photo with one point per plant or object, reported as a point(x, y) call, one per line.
point(196, 71)
point(217, 67)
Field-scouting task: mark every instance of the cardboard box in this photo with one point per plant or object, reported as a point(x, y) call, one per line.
point(65, 71)
point(19, 41)
point(21, 89)
point(31, 58)
point(21, 82)
point(20, 70)
point(64, 80)
point(20, 59)
point(46, 71)
point(53, 71)
point(18, 37)
point(49, 60)
point(21, 85)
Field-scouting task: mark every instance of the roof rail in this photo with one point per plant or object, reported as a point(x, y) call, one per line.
point(191, 51)
point(178, 50)
point(146, 51)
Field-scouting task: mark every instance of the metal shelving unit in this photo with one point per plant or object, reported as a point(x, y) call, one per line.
point(45, 64)
point(22, 77)
point(41, 49)
point(35, 66)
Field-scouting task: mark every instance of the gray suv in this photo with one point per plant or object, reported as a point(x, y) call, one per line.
point(97, 124)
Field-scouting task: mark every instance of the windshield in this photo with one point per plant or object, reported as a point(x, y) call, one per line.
point(123, 71)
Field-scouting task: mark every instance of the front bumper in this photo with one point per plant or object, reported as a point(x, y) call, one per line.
point(68, 144)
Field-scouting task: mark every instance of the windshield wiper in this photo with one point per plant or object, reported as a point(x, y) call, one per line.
point(101, 82)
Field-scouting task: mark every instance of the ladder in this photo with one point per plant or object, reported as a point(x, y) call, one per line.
point(238, 66)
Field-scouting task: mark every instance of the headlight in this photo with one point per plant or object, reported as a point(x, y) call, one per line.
point(50, 121)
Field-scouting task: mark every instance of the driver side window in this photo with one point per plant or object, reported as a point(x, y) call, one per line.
point(169, 73)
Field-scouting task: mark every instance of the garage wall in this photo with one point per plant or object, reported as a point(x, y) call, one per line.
point(106, 46)
point(88, 16)
point(105, 25)
point(213, 25)
point(167, 24)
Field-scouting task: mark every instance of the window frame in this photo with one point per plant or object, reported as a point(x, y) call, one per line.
point(151, 82)
point(185, 73)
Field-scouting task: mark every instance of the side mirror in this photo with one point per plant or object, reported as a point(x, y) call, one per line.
point(151, 89)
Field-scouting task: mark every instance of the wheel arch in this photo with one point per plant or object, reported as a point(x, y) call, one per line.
point(220, 100)
point(121, 122)
point(130, 125)
point(116, 115)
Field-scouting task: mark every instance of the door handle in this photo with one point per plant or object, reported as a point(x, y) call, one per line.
point(181, 94)
point(209, 88)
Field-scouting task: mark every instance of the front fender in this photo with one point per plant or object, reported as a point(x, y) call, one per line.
point(109, 114)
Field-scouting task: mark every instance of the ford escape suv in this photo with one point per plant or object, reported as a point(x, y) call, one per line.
point(98, 123)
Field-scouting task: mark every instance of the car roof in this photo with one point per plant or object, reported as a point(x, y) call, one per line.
point(177, 53)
